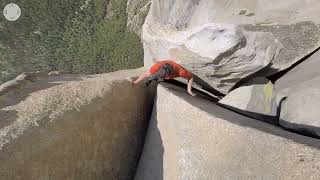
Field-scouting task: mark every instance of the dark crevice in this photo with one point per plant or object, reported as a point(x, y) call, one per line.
point(273, 78)
point(257, 116)
point(151, 159)
point(198, 92)
point(305, 130)
point(249, 78)
point(280, 74)
point(152, 87)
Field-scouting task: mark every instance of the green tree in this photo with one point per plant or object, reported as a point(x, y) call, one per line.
point(78, 36)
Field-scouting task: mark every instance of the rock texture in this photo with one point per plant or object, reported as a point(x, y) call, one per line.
point(137, 10)
point(307, 70)
point(20, 81)
point(224, 42)
point(74, 127)
point(301, 89)
point(193, 138)
point(236, 54)
point(300, 111)
point(257, 99)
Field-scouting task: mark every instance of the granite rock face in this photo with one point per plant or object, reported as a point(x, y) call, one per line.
point(299, 97)
point(193, 138)
point(137, 10)
point(74, 127)
point(237, 54)
point(257, 99)
point(300, 110)
point(305, 71)
point(224, 42)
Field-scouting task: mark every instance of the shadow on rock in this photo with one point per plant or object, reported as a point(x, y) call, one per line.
point(257, 116)
point(151, 161)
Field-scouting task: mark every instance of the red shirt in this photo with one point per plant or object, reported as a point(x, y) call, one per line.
point(178, 70)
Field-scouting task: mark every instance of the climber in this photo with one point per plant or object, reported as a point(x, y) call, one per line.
point(167, 69)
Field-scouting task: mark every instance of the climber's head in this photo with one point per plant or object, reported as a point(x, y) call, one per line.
point(163, 72)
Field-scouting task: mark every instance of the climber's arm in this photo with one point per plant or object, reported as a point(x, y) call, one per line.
point(140, 78)
point(189, 88)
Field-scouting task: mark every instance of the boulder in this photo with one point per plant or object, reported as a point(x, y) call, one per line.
point(18, 82)
point(237, 54)
point(306, 70)
point(223, 43)
point(55, 73)
point(257, 99)
point(299, 97)
point(77, 127)
point(193, 138)
point(300, 110)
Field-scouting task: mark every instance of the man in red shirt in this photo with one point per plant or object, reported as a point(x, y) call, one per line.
point(167, 69)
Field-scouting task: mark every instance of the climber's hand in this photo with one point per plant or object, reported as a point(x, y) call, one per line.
point(131, 82)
